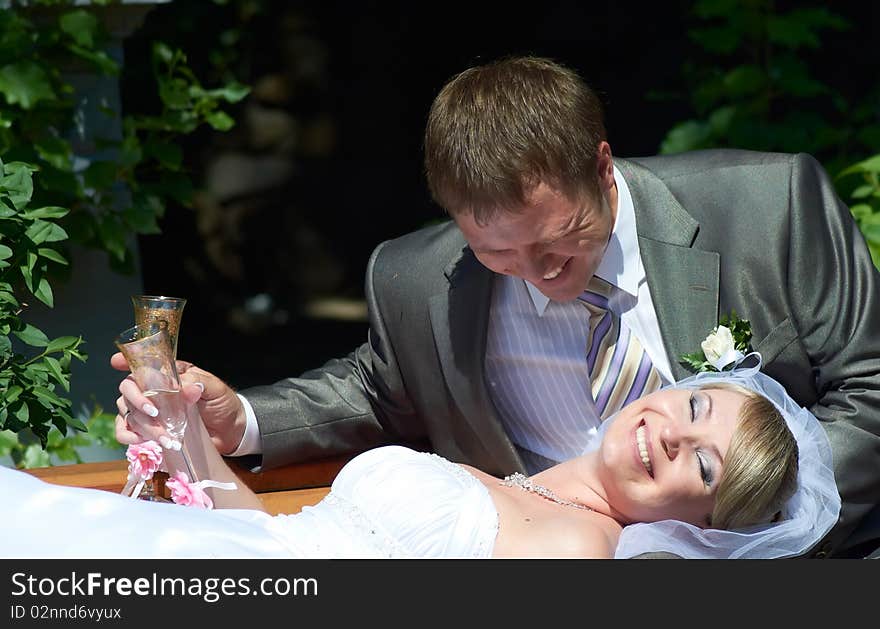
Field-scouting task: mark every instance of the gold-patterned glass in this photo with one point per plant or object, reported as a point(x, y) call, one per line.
point(148, 350)
point(149, 308)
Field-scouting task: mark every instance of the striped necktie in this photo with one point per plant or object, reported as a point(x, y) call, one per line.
point(620, 369)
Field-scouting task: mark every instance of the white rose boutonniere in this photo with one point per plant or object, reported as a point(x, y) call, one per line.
point(726, 345)
point(719, 348)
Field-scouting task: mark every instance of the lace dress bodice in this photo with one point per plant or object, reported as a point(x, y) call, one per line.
point(391, 502)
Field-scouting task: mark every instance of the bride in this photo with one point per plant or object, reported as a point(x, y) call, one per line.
point(720, 465)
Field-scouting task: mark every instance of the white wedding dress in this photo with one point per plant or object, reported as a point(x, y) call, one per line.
point(391, 502)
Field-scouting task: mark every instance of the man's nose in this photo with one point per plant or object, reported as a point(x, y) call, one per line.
point(532, 267)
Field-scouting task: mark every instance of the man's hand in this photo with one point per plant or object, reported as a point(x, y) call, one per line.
point(218, 405)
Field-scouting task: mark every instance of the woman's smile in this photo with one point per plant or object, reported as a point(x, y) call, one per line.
point(643, 448)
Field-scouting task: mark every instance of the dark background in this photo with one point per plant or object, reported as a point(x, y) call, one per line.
point(364, 74)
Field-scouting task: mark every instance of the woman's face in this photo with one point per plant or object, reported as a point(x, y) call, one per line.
point(663, 455)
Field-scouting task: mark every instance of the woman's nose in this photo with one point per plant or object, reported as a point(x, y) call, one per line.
point(670, 440)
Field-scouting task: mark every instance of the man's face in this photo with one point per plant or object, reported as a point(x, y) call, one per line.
point(554, 242)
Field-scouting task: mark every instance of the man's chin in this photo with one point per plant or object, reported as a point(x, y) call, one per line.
point(560, 294)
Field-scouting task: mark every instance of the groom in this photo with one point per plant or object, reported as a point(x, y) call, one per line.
point(481, 333)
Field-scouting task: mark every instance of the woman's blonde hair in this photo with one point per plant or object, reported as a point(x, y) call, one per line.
point(761, 466)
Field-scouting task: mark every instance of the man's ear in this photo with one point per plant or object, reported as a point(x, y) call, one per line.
point(605, 171)
point(604, 163)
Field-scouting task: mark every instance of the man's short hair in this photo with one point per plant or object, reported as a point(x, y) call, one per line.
point(496, 131)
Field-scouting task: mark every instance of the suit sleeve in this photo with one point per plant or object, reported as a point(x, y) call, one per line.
point(836, 289)
point(347, 405)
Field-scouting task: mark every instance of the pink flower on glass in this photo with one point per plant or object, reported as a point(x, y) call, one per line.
point(188, 494)
point(144, 459)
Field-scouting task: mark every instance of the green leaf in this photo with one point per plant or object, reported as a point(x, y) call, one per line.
point(51, 254)
point(112, 236)
point(81, 25)
point(231, 92)
point(55, 151)
point(220, 120)
point(46, 212)
point(62, 343)
point(43, 231)
point(32, 336)
point(5, 347)
point(168, 154)
point(685, 136)
point(18, 183)
point(22, 412)
point(720, 119)
point(5, 252)
point(35, 456)
point(142, 214)
point(163, 52)
point(870, 165)
point(25, 83)
point(105, 64)
point(12, 394)
point(861, 211)
point(174, 93)
point(71, 421)
point(57, 372)
point(44, 293)
point(864, 191)
point(744, 80)
point(79, 355)
point(27, 275)
point(45, 394)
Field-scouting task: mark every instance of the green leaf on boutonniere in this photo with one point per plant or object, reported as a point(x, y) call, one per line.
point(741, 330)
point(697, 362)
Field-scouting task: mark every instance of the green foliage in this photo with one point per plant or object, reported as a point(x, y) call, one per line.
point(27, 451)
point(100, 203)
point(865, 205)
point(29, 381)
point(751, 86)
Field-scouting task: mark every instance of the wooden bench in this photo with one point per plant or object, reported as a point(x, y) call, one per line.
point(282, 490)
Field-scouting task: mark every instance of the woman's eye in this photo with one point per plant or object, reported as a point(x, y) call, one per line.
point(693, 402)
point(705, 471)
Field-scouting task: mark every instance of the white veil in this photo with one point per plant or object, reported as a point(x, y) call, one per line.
point(806, 517)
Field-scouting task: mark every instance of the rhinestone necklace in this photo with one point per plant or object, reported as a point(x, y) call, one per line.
point(526, 484)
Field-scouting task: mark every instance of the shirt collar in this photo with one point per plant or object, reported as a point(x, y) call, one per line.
point(621, 265)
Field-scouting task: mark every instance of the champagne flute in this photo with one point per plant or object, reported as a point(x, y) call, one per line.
point(149, 352)
point(149, 308)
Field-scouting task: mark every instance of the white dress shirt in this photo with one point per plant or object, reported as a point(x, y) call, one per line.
point(536, 364)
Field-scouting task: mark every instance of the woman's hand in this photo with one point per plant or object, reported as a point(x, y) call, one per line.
point(219, 406)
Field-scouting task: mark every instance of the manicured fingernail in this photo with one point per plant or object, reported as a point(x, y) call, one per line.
point(166, 442)
point(201, 385)
point(150, 410)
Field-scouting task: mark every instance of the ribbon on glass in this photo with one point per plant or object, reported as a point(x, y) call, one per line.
point(189, 494)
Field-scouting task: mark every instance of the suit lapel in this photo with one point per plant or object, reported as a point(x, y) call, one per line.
point(459, 320)
point(683, 280)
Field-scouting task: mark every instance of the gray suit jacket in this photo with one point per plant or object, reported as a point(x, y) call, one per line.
point(762, 234)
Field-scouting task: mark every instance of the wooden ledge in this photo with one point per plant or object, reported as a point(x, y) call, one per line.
point(282, 490)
